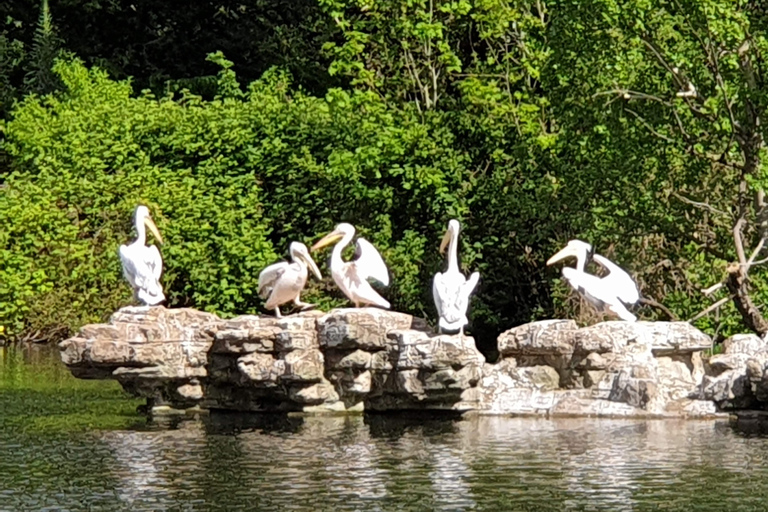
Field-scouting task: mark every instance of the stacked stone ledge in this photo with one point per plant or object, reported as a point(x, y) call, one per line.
point(641, 369)
point(346, 360)
point(371, 359)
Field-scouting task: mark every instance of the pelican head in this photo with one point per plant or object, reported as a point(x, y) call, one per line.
point(299, 252)
point(341, 231)
point(453, 231)
point(141, 215)
point(575, 249)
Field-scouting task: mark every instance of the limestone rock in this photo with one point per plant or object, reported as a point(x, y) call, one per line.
point(260, 369)
point(721, 363)
point(547, 337)
point(730, 390)
point(304, 366)
point(419, 350)
point(363, 328)
point(372, 359)
point(321, 392)
point(749, 344)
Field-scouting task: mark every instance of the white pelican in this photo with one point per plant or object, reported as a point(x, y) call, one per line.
point(614, 291)
point(351, 276)
point(450, 289)
point(283, 282)
point(142, 264)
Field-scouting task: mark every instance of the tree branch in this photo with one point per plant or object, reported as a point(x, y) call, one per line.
point(703, 206)
point(710, 309)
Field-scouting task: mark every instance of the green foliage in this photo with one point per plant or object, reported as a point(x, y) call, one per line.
point(40, 77)
point(532, 122)
point(228, 181)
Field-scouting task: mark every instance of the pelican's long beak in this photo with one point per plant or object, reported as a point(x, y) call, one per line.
point(446, 241)
point(151, 225)
point(565, 252)
point(311, 264)
point(328, 239)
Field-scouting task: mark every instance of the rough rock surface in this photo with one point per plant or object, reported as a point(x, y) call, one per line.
point(371, 359)
point(608, 369)
point(738, 377)
point(348, 359)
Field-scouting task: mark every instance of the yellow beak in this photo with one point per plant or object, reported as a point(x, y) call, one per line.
point(151, 225)
point(327, 240)
point(311, 264)
point(445, 241)
point(565, 252)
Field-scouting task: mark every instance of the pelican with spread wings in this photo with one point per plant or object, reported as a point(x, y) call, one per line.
point(450, 289)
point(142, 264)
point(352, 276)
point(283, 282)
point(614, 292)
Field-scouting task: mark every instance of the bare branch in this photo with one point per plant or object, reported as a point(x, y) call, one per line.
point(712, 289)
point(710, 309)
point(754, 254)
point(703, 206)
point(628, 94)
point(649, 127)
point(739, 242)
point(658, 305)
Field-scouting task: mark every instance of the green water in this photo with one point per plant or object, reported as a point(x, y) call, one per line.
point(77, 445)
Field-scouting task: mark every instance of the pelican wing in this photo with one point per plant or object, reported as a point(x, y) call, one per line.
point(358, 289)
point(624, 287)
point(269, 276)
point(369, 263)
point(440, 292)
point(451, 293)
point(154, 261)
point(598, 288)
point(129, 266)
point(142, 267)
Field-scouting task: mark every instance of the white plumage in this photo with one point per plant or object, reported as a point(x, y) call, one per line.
point(614, 291)
point(283, 282)
point(352, 276)
point(450, 289)
point(142, 264)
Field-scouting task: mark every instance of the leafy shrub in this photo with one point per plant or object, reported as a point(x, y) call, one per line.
point(230, 182)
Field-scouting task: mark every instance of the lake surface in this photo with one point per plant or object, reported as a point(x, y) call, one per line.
point(79, 445)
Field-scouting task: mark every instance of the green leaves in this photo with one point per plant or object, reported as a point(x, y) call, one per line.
point(231, 182)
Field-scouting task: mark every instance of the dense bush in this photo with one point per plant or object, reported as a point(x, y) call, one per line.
point(532, 122)
point(231, 182)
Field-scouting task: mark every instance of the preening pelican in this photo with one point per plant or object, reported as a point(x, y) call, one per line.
point(351, 276)
point(142, 264)
point(450, 289)
point(614, 291)
point(283, 282)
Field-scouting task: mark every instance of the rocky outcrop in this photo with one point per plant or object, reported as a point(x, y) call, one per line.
point(376, 360)
point(608, 369)
point(737, 379)
point(348, 359)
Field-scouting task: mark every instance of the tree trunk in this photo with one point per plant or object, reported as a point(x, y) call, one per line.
point(738, 285)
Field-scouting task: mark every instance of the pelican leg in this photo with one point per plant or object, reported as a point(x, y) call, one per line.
point(303, 305)
point(277, 312)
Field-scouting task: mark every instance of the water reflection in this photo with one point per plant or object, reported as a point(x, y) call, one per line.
point(253, 462)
